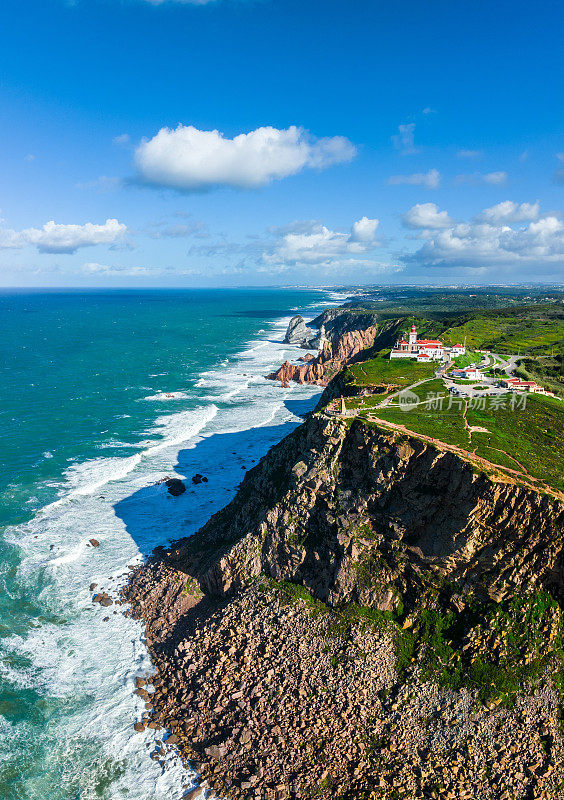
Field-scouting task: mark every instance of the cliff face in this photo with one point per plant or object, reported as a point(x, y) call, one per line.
point(333, 355)
point(263, 686)
point(357, 514)
point(338, 321)
point(298, 333)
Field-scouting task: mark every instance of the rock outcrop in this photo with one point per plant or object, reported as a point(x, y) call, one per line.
point(358, 514)
point(341, 320)
point(175, 486)
point(333, 356)
point(298, 333)
point(285, 631)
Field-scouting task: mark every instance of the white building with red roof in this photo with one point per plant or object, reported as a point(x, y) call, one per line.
point(420, 349)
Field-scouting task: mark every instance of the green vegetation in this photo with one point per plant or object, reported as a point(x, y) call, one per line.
point(493, 648)
point(469, 357)
point(533, 435)
point(547, 370)
point(192, 587)
point(442, 305)
point(506, 645)
point(525, 329)
point(525, 432)
point(383, 371)
point(439, 421)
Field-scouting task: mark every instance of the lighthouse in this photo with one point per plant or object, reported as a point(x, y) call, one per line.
point(413, 338)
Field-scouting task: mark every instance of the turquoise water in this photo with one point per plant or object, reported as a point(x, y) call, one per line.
point(101, 395)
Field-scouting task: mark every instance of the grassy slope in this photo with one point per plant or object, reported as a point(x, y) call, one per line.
point(545, 370)
point(446, 424)
point(383, 370)
point(528, 329)
point(532, 436)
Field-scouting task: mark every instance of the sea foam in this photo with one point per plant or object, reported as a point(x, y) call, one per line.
point(84, 658)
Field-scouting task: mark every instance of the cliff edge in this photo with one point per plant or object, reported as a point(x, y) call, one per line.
point(370, 617)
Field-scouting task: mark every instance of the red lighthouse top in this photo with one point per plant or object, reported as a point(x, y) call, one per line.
point(413, 328)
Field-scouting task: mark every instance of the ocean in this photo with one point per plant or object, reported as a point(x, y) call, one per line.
point(102, 394)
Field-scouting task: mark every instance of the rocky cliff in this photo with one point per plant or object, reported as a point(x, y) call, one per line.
point(357, 514)
point(299, 333)
point(348, 625)
point(341, 320)
point(332, 357)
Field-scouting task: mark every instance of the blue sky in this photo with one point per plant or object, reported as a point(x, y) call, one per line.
point(243, 142)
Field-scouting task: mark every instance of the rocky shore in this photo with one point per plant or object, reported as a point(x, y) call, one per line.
point(332, 357)
point(370, 617)
point(273, 696)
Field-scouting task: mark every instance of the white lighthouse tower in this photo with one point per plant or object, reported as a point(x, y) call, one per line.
point(413, 338)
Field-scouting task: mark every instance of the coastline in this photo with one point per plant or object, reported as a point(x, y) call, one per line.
point(269, 697)
point(271, 694)
point(80, 657)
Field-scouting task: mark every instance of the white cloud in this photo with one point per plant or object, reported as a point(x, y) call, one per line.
point(122, 139)
point(492, 178)
point(364, 230)
point(469, 153)
point(495, 238)
point(55, 238)
point(302, 247)
point(94, 268)
point(190, 159)
point(429, 180)
point(426, 215)
point(509, 212)
point(404, 140)
point(317, 245)
point(495, 178)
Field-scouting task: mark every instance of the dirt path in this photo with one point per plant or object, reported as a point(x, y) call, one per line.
point(477, 429)
point(521, 476)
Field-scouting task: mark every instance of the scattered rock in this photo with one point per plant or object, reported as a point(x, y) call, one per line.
point(197, 793)
point(175, 486)
point(216, 752)
point(103, 599)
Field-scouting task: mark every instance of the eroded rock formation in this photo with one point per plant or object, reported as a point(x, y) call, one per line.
point(356, 513)
point(333, 355)
point(277, 696)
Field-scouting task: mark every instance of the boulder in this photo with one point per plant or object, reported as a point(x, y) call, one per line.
point(175, 486)
point(298, 332)
point(103, 598)
point(197, 478)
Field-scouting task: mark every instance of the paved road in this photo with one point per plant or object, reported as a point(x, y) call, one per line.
point(507, 363)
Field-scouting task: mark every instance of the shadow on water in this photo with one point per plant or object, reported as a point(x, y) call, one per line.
point(152, 516)
point(300, 407)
